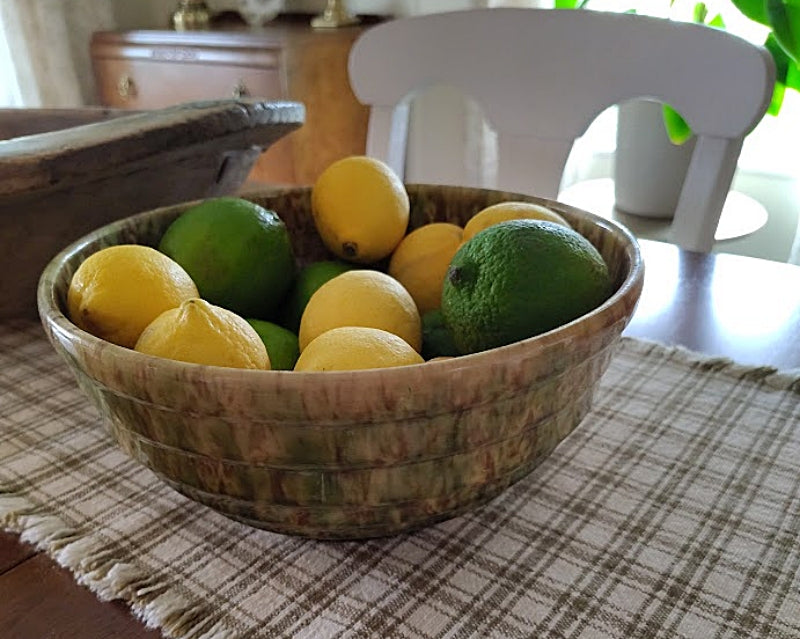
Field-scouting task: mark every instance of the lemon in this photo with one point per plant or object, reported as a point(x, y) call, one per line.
point(360, 209)
point(520, 278)
point(350, 348)
point(119, 290)
point(203, 333)
point(308, 280)
point(362, 298)
point(281, 344)
point(421, 259)
point(504, 211)
point(238, 253)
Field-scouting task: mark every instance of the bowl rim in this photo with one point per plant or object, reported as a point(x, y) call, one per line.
point(55, 320)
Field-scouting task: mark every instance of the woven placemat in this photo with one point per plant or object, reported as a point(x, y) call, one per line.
point(673, 510)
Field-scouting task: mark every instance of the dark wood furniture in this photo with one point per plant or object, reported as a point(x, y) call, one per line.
point(739, 307)
point(284, 60)
point(59, 182)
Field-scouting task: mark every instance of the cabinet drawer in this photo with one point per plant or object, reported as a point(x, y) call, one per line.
point(285, 59)
point(139, 84)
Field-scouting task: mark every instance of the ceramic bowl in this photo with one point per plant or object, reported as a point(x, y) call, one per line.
point(356, 454)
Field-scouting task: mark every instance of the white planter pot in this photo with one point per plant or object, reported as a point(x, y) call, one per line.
point(648, 169)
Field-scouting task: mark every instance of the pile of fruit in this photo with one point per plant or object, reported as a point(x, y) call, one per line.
point(223, 287)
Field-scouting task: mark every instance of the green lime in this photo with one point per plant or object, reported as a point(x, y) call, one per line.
point(518, 279)
point(308, 280)
point(437, 340)
point(282, 345)
point(238, 253)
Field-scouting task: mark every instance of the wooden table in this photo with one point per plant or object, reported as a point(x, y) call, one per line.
point(738, 307)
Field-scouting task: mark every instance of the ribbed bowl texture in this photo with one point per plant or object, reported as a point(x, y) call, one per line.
point(352, 454)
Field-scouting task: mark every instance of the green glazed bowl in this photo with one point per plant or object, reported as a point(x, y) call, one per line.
point(351, 454)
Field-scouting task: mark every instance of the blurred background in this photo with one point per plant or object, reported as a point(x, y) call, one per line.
point(46, 61)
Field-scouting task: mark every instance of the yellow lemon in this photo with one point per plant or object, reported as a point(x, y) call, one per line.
point(119, 290)
point(202, 333)
point(360, 209)
point(350, 348)
point(504, 211)
point(362, 298)
point(421, 259)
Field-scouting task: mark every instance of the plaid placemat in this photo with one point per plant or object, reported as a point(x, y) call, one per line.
point(673, 510)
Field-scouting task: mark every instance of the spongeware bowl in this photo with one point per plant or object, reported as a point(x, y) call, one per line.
point(350, 454)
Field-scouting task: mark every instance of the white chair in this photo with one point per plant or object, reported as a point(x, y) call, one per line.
point(541, 76)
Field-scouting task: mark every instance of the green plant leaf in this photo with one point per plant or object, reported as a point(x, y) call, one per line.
point(699, 12)
point(678, 131)
point(782, 65)
point(780, 57)
point(784, 18)
point(756, 10)
point(777, 98)
point(567, 4)
point(793, 76)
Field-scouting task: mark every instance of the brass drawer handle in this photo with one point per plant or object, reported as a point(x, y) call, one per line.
point(126, 88)
point(240, 90)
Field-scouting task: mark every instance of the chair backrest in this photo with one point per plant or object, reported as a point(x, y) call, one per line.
point(541, 76)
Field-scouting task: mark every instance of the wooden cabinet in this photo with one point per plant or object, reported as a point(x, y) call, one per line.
point(284, 60)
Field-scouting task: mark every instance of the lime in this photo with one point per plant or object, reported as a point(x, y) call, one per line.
point(309, 279)
point(281, 344)
point(520, 278)
point(437, 339)
point(238, 253)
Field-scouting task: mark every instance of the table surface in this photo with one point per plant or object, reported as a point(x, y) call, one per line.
point(743, 308)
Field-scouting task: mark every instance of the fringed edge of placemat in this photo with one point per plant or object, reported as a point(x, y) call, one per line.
point(772, 377)
point(156, 604)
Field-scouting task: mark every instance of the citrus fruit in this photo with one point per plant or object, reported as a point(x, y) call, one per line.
point(421, 259)
point(362, 298)
point(504, 211)
point(281, 344)
point(238, 253)
point(437, 339)
point(308, 280)
point(203, 333)
point(360, 209)
point(350, 348)
point(119, 290)
point(520, 278)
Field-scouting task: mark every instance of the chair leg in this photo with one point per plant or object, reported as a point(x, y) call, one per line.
point(700, 204)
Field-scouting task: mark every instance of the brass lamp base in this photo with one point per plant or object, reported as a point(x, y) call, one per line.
point(191, 15)
point(334, 16)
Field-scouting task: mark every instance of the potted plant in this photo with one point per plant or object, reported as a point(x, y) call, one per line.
point(643, 145)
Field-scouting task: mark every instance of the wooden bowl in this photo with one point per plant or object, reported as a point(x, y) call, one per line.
point(355, 454)
point(64, 172)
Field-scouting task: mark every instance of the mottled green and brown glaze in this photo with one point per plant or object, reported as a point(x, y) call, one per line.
point(350, 454)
